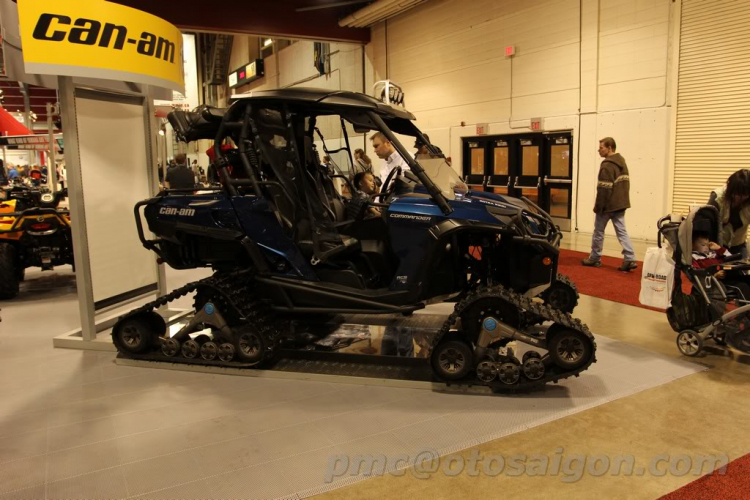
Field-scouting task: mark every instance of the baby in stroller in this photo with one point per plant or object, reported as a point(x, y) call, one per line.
point(713, 257)
point(717, 280)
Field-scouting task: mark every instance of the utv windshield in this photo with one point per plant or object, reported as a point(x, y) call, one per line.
point(443, 175)
point(338, 136)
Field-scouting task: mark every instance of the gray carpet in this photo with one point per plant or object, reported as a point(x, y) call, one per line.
point(74, 424)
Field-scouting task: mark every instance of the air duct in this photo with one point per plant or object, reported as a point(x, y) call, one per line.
point(377, 11)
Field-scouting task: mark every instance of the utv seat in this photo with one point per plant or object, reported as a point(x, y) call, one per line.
point(345, 248)
point(327, 193)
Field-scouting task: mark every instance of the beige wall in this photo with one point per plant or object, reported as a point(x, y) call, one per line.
point(293, 67)
point(604, 62)
point(595, 67)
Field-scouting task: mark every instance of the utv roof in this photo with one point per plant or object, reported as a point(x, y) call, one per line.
point(338, 98)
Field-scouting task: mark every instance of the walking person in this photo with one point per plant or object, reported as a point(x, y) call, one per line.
point(612, 199)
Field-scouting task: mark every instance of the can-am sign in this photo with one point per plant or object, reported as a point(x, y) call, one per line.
point(97, 39)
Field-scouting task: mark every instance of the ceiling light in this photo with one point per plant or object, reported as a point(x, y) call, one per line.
point(267, 42)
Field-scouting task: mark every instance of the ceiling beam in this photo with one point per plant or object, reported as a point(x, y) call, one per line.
point(272, 18)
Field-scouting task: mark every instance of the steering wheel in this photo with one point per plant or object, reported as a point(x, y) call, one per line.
point(386, 190)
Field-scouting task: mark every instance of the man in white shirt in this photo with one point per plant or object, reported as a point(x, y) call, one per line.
point(385, 151)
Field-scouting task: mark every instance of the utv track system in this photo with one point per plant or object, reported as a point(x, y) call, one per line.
point(233, 327)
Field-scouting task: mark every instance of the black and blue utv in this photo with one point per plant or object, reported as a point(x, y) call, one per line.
point(285, 243)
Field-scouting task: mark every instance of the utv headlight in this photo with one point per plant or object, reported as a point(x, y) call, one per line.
point(47, 197)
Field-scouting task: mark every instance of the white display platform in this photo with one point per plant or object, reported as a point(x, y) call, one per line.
point(103, 341)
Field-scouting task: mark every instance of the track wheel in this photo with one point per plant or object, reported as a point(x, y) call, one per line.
point(9, 272)
point(487, 371)
point(508, 373)
point(569, 349)
point(209, 351)
point(226, 352)
point(533, 366)
point(250, 345)
point(190, 348)
point(689, 343)
point(530, 354)
point(452, 360)
point(170, 347)
point(561, 295)
point(135, 334)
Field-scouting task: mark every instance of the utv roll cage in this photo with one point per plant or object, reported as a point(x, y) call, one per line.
point(240, 117)
point(288, 175)
point(276, 161)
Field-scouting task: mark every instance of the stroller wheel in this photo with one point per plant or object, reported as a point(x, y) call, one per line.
point(689, 343)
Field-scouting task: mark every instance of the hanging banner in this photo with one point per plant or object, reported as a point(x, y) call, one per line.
point(98, 39)
point(31, 142)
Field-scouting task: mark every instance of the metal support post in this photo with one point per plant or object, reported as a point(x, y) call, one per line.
point(52, 168)
point(77, 211)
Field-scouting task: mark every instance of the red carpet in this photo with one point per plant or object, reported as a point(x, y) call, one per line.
point(604, 282)
point(734, 484)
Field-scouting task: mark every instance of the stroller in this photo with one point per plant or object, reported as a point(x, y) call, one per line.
point(702, 315)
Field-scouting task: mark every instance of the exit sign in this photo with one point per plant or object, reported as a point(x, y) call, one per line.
point(537, 124)
point(510, 51)
point(246, 74)
point(483, 128)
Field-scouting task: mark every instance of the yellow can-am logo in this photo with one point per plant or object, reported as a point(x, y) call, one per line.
point(58, 28)
point(103, 40)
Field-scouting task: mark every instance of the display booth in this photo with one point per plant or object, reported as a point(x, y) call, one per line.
point(109, 65)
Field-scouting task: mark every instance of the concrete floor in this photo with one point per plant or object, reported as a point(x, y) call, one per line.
point(698, 415)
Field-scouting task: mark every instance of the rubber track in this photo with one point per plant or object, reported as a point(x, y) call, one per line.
point(537, 309)
point(234, 290)
point(561, 278)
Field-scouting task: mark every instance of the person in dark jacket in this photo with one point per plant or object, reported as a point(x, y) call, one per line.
point(612, 199)
point(733, 202)
point(180, 177)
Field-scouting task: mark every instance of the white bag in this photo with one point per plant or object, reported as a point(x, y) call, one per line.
point(657, 279)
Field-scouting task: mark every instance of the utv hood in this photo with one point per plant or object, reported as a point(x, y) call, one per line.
point(492, 198)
